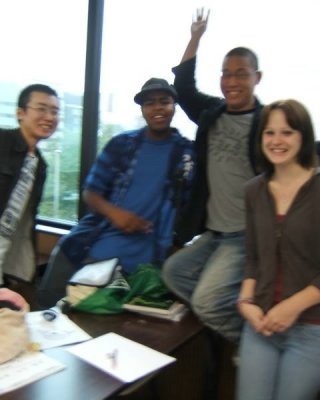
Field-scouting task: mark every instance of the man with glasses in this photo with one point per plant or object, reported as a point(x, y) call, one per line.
point(22, 176)
point(207, 273)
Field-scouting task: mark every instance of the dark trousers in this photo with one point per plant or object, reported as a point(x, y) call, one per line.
point(52, 287)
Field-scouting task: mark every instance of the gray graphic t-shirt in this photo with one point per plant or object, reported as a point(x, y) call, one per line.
point(228, 170)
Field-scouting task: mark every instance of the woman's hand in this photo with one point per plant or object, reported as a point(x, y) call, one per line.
point(280, 317)
point(253, 314)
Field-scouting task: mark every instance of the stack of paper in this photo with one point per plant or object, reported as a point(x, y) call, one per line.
point(26, 368)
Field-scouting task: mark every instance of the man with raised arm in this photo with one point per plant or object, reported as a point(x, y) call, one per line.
point(207, 273)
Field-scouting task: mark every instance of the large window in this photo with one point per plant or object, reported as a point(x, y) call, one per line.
point(44, 41)
point(143, 38)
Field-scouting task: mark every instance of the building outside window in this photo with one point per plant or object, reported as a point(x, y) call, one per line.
point(45, 42)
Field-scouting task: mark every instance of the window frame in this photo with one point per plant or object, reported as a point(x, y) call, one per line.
point(90, 114)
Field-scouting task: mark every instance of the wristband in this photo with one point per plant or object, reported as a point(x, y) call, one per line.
point(245, 300)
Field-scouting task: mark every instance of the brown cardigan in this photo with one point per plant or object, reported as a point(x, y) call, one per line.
point(298, 238)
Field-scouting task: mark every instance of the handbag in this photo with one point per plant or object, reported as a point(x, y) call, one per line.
point(145, 282)
point(98, 288)
point(14, 335)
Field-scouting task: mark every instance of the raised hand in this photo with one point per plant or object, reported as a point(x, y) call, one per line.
point(199, 24)
point(198, 27)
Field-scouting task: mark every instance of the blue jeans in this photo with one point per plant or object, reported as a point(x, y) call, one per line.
point(207, 274)
point(280, 367)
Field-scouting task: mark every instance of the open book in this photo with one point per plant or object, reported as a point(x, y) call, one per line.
point(173, 310)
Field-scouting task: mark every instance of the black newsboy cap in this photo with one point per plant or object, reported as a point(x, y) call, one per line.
point(155, 84)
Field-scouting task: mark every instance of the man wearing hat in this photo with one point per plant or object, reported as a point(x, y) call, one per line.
point(135, 188)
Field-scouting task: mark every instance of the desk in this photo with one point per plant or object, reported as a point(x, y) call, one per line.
point(80, 381)
point(162, 335)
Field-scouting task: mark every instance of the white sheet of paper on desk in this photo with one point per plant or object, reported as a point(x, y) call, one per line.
point(56, 333)
point(26, 368)
point(133, 360)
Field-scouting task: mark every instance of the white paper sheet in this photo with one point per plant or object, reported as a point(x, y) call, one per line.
point(26, 368)
point(59, 332)
point(122, 358)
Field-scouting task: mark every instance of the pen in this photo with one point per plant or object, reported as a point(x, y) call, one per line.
point(113, 357)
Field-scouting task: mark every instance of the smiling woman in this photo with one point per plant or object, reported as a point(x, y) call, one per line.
point(280, 142)
point(280, 293)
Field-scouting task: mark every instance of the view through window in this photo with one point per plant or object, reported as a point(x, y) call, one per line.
point(144, 39)
point(45, 42)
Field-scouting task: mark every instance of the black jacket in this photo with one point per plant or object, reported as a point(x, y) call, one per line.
point(204, 110)
point(13, 149)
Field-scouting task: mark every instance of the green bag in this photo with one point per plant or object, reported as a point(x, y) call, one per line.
point(145, 284)
point(102, 301)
